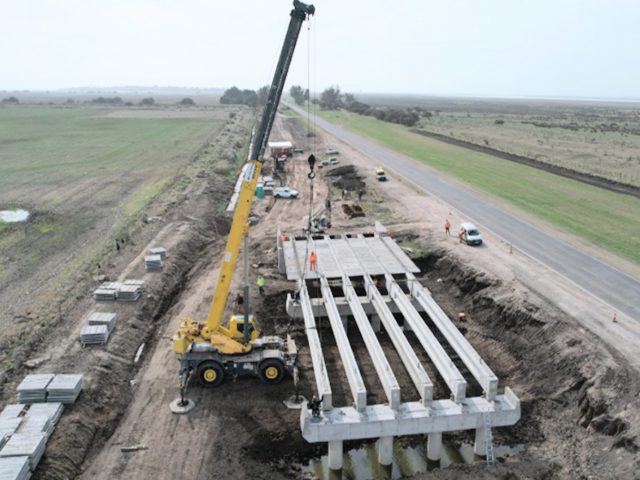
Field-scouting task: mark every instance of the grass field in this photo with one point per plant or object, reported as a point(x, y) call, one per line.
point(607, 219)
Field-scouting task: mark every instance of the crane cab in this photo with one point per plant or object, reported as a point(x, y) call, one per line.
point(236, 327)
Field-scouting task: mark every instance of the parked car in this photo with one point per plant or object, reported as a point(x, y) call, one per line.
point(331, 151)
point(298, 150)
point(285, 192)
point(472, 235)
point(333, 160)
point(380, 175)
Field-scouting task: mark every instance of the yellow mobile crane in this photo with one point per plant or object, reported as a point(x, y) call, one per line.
point(207, 348)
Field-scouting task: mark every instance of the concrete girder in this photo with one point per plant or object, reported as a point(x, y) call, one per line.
point(415, 369)
point(356, 383)
point(380, 362)
point(387, 378)
point(451, 375)
point(315, 348)
point(480, 370)
point(411, 418)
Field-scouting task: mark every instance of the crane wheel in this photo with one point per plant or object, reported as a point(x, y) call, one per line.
point(210, 374)
point(271, 371)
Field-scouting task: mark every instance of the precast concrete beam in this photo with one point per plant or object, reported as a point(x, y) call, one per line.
point(480, 370)
point(356, 384)
point(412, 418)
point(416, 371)
point(451, 375)
point(380, 362)
point(315, 349)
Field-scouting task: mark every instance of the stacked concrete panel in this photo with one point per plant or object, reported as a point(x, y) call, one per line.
point(128, 293)
point(51, 409)
point(153, 262)
point(104, 295)
point(30, 445)
point(139, 283)
point(33, 388)
point(64, 388)
point(15, 468)
point(158, 251)
point(37, 424)
point(103, 318)
point(94, 335)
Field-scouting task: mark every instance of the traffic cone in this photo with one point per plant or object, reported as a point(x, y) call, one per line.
point(510, 248)
point(614, 317)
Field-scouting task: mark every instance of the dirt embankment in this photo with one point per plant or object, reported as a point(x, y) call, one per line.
point(576, 393)
point(599, 182)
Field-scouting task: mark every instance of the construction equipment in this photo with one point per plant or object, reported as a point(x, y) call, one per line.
point(207, 348)
point(320, 219)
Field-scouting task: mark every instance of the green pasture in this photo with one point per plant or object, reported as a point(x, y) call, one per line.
point(607, 219)
point(46, 150)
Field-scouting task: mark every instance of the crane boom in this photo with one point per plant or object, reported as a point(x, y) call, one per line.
point(253, 167)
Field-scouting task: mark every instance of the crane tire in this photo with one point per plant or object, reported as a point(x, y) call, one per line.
point(271, 371)
point(210, 373)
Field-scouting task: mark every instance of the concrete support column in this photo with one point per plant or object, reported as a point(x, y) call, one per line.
point(480, 447)
point(375, 323)
point(434, 446)
point(385, 451)
point(335, 455)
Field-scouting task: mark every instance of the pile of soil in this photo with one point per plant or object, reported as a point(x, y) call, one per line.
point(353, 211)
point(349, 179)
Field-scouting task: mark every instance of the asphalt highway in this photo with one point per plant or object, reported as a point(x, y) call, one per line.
point(613, 287)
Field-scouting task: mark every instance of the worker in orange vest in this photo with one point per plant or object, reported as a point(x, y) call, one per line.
point(283, 237)
point(447, 225)
point(312, 261)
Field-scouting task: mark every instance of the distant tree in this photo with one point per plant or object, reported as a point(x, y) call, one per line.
point(348, 100)
point(107, 101)
point(426, 114)
point(147, 102)
point(70, 101)
point(299, 95)
point(263, 95)
point(128, 104)
point(187, 102)
point(12, 100)
point(499, 122)
point(234, 96)
point(330, 99)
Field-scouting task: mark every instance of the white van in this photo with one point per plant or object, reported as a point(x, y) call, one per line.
point(284, 192)
point(472, 235)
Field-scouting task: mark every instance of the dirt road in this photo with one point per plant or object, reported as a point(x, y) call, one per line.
point(578, 393)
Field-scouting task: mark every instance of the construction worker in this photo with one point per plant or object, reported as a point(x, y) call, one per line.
point(240, 302)
point(312, 261)
point(447, 225)
point(314, 406)
point(261, 284)
point(360, 193)
point(463, 232)
point(390, 233)
point(345, 194)
point(283, 237)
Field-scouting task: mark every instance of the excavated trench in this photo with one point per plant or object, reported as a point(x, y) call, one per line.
point(556, 371)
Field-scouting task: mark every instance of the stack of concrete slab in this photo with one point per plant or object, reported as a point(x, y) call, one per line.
point(103, 318)
point(128, 293)
point(37, 424)
point(94, 335)
point(8, 426)
point(30, 445)
point(12, 411)
point(33, 388)
point(104, 295)
point(64, 388)
point(52, 410)
point(139, 283)
point(15, 468)
point(153, 262)
point(158, 251)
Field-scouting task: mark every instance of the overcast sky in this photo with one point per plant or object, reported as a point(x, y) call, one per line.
point(553, 48)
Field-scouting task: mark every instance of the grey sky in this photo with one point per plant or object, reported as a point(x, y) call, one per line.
point(484, 47)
